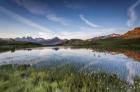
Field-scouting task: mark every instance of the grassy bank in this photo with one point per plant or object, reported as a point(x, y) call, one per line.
point(117, 43)
point(13, 45)
point(63, 79)
point(110, 44)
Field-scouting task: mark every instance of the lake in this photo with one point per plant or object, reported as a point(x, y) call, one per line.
point(84, 60)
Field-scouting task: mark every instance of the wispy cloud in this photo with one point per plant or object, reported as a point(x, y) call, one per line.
point(42, 8)
point(76, 5)
point(132, 14)
point(25, 20)
point(57, 19)
point(91, 24)
point(35, 7)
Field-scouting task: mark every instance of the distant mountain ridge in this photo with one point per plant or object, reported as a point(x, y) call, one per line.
point(113, 35)
point(135, 33)
point(30, 39)
point(53, 41)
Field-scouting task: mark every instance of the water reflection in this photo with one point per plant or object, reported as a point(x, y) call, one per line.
point(132, 54)
point(28, 49)
point(126, 65)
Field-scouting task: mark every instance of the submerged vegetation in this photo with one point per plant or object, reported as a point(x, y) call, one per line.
point(25, 78)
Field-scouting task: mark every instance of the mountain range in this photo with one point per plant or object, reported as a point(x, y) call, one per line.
point(133, 34)
point(42, 41)
point(105, 37)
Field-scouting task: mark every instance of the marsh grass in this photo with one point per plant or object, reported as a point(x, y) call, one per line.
point(25, 78)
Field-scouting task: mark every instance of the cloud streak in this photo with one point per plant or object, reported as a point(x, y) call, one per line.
point(76, 5)
point(57, 19)
point(132, 14)
point(35, 7)
point(41, 8)
point(24, 20)
point(89, 23)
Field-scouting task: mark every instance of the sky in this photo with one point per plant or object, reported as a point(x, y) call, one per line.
point(67, 19)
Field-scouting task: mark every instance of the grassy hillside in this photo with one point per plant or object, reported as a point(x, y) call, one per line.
point(109, 44)
point(119, 43)
point(77, 42)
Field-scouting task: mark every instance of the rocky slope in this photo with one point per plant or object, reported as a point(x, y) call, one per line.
point(135, 33)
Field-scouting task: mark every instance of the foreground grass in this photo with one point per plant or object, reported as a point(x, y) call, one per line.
point(24, 78)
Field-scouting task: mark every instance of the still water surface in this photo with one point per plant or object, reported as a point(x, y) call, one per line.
point(83, 59)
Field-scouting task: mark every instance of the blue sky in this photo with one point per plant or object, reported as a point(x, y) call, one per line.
point(67, 18)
